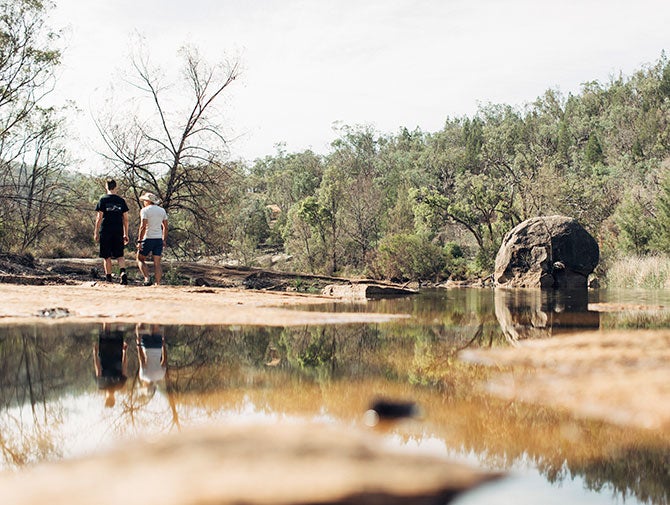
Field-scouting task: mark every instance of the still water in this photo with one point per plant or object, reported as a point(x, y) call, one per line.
point(60, 400)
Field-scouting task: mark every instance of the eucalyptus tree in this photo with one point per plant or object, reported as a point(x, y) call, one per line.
point(286, 178)
point(402, 160)
point(30, 154)
point(282, 181)
point(466, 190)
point(360, 182)
point(27, 64)
point(169, 137)
point(662, 216)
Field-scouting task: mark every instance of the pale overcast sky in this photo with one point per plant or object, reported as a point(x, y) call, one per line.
point(388, 63)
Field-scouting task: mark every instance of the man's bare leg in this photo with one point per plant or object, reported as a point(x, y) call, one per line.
point(158, 269)
point(142, 266)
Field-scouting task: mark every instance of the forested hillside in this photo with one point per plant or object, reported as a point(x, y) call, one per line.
point(405, 205)
point(422, 204)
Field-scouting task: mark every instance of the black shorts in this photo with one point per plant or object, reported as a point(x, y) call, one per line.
point(111, 247)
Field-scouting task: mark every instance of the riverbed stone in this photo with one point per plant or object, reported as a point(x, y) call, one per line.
point(546, 252)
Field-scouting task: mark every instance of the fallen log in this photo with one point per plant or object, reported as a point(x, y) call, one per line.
point(365, 291)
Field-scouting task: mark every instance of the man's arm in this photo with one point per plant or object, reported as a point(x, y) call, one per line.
point(141, 231)
point(98, 222)
point(141, 355)
point(124, 360)
point(165, 230)
point(125, 227)
point(163, 353)
point(96, 361)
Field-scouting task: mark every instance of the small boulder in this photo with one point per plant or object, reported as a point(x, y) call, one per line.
point(546, 252)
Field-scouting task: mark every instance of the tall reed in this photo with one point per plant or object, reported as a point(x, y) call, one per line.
point(649, 272)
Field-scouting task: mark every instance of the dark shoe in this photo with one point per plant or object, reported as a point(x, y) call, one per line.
point(124, 278)
point(146, 283)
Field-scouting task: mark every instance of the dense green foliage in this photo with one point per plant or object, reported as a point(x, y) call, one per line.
point(392, 205)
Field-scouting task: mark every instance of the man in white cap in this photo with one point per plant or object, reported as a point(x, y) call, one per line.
point(151, 237)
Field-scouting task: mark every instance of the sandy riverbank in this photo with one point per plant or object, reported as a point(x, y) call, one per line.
point(101, 302)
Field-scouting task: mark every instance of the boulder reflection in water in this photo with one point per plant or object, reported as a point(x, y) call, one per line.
point(529, 314)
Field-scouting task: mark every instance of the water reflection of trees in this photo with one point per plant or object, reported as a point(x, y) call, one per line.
point(334, 370)
point(642, 472)
point(36, 370)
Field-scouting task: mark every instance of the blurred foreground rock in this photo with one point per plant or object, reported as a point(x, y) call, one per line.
point(617, 376)
point(268, 464)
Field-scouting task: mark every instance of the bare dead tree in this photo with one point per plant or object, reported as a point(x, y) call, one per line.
point(172, 144)
point(36, 180)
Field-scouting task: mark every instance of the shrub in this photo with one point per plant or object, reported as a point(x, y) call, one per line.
point(409, 257)
point(456, 262)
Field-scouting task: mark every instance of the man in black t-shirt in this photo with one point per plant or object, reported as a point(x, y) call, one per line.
point(111, 229)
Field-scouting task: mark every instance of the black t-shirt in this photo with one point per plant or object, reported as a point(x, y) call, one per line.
point(112, 208)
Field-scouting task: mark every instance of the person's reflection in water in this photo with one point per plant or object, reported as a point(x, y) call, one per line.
point(110, 360)
point(152, 356)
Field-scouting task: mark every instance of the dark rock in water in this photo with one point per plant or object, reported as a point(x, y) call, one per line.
point(546, 252)
point(384, 409)
point(535, 313)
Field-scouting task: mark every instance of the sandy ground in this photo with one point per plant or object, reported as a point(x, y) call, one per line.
point(100, 302)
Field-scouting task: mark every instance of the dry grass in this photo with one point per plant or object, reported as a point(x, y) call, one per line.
point(649, 272)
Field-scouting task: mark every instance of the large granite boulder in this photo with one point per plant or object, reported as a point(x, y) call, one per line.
point(546, 252)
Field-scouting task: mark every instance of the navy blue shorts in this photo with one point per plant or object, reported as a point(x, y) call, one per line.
point(152, 246)
point(151, 341)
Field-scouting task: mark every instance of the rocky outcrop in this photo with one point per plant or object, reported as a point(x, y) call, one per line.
point(546, 252)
